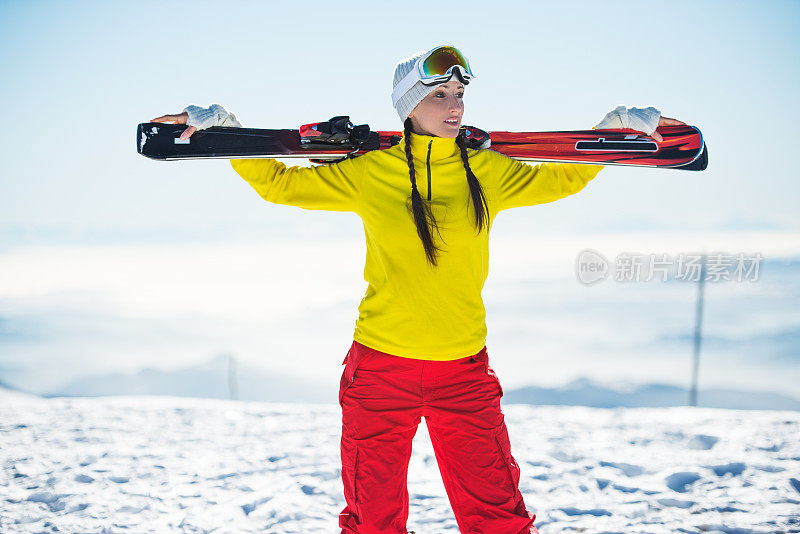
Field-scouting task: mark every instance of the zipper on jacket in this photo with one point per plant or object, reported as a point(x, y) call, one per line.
point(429, 168)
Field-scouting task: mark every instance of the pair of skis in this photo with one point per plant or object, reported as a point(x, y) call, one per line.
point(325, 142)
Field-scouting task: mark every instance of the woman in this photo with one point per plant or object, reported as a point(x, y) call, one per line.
point(418, 348)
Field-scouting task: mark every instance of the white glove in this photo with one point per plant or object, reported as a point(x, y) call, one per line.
point(215, 115)
point(639, 119)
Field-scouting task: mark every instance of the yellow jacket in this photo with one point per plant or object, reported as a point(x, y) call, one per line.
point(410, 308)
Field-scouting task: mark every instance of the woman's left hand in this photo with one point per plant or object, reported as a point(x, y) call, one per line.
point(640, 120)
point(665, 121)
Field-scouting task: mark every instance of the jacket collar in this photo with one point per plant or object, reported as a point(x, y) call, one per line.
point(440, 147)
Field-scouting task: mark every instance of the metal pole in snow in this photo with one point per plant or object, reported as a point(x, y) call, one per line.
point(698, 326)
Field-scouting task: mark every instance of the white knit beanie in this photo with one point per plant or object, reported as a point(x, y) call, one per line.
point(418, 91)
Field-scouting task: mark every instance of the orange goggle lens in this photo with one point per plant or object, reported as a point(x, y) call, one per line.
point(442, 59)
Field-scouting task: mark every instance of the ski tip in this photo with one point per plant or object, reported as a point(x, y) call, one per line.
point(146, 131)
point(699, 164)
point(141, 138)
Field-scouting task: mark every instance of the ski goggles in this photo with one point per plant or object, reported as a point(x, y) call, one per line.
point(435, 66)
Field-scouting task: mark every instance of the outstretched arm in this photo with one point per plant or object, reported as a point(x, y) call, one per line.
point(521, 184)
point(333, 187)
point(526, 185)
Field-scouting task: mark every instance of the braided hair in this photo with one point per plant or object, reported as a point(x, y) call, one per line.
point(421, 208)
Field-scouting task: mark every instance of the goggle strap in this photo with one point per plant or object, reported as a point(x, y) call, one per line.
point(412, 77)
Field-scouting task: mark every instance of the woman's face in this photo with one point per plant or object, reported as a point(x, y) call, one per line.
point(440, 112)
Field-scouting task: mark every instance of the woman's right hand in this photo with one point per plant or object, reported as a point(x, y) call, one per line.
point(181, 118)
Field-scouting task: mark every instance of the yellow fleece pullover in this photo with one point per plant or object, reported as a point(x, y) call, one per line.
point(412, 309)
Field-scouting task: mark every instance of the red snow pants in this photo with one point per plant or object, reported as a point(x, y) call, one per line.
point(383, 398)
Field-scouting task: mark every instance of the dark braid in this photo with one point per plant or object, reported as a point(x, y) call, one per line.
point(475, 189)
point(421, 208)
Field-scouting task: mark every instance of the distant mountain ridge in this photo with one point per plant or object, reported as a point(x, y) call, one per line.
point(210, 380)
point(586, 392)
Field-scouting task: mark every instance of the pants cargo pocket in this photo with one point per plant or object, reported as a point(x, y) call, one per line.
point(347, 375)
point(349, 450)
point(511, 466)
point(355, 356)
point(483, 358)
point(491, 373)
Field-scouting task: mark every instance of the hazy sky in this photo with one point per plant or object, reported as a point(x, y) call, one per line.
point(78, 76)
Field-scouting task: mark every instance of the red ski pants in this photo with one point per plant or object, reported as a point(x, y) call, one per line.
point(383, 398)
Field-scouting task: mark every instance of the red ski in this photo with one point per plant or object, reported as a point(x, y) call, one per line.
point(682, 148)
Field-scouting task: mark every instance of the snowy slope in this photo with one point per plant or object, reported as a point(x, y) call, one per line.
point(8, 394)
point(167, 464)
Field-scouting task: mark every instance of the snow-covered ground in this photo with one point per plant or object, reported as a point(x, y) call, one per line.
point(167, 464)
